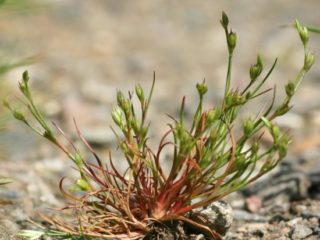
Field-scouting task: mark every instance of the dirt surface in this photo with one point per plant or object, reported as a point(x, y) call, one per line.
point(89, 49)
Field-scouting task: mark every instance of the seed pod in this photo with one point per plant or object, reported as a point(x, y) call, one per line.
point(256, 69)
point(309, 60)
point(232, 41)
point(25, 76)
point(224, 20)
point(83, 184)
point(18, 115)
point(139, 93)
point(202, 88)
point(275, 132)
point(121, 99)
point(248, 126)
point(290, 89)
point(303, 32)
point(117, 116)
point(211, 116)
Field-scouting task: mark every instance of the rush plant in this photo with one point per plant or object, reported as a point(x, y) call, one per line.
point(208, 160)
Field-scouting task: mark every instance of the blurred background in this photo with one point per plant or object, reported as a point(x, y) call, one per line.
point(86, 50)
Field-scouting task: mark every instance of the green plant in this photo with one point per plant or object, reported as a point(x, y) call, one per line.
point(208, 160)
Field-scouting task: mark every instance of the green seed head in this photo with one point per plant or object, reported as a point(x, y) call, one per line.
point(202, 88)
point(211, 116)
point(309, 60)
point(117, 116)
point(25, 76)
point(248, 126)
point(290, 89)
point(256, 69)
point(275, 132)
point(121, 99)
point(303, 32)
point(18, 115)
point(224, 20)
point(232, 41)
point(83, 184)
point(139, 93)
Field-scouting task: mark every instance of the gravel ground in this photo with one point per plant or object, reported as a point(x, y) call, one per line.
point(89, 49)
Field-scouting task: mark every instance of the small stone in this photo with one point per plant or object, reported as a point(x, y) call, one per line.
point(253, 204)
point(256, 229)
point(217, 216)
point(242, 215)
point(301, 231)
point(198, 237)
point(294, 222)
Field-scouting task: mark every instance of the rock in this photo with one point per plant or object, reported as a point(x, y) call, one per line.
point(217, 216)
point(255, 229)
point(301, 231)
point(7, 228)
point(242, 215)
point(285, 185)
point(253, 204)
point(306, 209)
point(314, 190)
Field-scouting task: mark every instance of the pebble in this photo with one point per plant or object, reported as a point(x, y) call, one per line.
point(301, 231)
point(253, 204)
point(257, 229)
point(242, 215)
point(218, 216)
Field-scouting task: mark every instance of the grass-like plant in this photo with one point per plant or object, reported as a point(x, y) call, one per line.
point(208, 160)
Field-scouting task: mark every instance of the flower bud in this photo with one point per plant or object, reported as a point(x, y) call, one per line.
point(248, 126)
point(232, 41)
point(283, 147)
point(256, 69)
point(139, 93)
point(308, 61)
point(234, 99)
point(211, 116)
point(275, 132)
point(127, 109)
point(83, 184)
point(25, 76)
point(303, 32)
point(283, 109)
point(202, 88)
point(224, 20)
point(239, 100)
point(78, 160)
point(121, 99)
point(18, 115)
point(290, 89)
point(117, 116)
point(248, 95)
